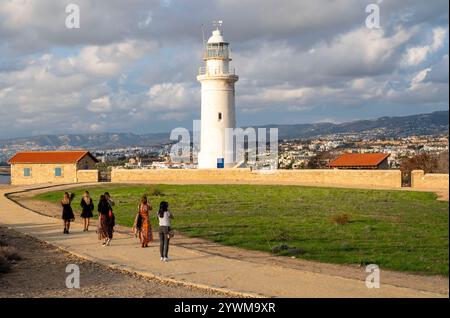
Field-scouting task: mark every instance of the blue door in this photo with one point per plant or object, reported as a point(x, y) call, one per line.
point(220, 163)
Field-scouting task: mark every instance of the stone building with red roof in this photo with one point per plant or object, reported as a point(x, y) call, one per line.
point(361, 161)
point(41, 167)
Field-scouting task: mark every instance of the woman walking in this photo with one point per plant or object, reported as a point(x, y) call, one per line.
point(165, 232)
point(105, 227)
point(111, 214)
point(145, 233)
point(67, 213)
point(87, 206)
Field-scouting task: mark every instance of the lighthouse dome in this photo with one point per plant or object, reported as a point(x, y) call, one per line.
point(216, 37)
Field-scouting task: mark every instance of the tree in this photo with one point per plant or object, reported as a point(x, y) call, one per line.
point(321, 160)
point(443, 162)
point(430, 163)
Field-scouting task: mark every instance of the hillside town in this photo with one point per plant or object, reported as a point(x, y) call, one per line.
point(297, 154)
point(292, 153)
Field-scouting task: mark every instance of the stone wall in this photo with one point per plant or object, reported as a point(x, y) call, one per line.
point(87, 163)
point(429, 181)
point(43, 173)
point(87, 176)
point(350, 178)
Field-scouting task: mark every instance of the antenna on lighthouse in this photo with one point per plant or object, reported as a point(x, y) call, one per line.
point(203, 35)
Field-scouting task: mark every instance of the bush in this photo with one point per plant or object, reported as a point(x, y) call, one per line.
point(5, 266)
point(341, 219)
point(156, 192)
point(10, 253)
point(287, 251)
point(430, 163)
point(281, 236)
point(280, 248)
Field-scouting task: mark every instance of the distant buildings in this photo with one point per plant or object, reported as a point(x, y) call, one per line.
point(298, 153)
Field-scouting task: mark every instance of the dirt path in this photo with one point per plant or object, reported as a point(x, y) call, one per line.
point(427, 283)
point(41, 273)
point(442, 195)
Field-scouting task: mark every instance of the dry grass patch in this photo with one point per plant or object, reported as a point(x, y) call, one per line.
point(341, 219)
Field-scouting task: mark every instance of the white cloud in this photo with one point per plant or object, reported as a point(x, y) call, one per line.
point(100, 105)
point(172, 96)
point(111, 59)
point(439, 35)
point(439, 72)
point(417, 55)
point(16, 14)
point(420, 77)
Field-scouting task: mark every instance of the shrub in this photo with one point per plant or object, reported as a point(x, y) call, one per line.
point(280, 248)
point(4, 265)
point(341, 219)
point(287, 250)
point(156, 192)
point(10, 253)
point(281, 237)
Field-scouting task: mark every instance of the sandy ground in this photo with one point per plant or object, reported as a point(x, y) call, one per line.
point(41, 273)
point(442, 195)
point(429, 283)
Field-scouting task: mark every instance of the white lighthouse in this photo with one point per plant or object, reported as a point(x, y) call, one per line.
point(217, 107)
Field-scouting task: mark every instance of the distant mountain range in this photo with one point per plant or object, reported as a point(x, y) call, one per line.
point(89, 141)
point(390, 127)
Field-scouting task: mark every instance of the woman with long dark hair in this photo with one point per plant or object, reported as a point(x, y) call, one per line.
point(164, 216)
point(67, 212)
point(87, 206)
point(145, 233)
point(111, 214)
point(104, 227)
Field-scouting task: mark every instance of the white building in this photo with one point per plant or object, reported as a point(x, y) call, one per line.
point(217, 79)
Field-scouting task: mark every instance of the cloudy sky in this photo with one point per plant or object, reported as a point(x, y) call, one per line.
point(132, 65)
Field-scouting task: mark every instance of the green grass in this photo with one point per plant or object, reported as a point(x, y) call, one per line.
point(398, 230)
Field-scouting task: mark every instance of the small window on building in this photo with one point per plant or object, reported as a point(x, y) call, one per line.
point(27, 172)
point(220, 116)
point(58, 172)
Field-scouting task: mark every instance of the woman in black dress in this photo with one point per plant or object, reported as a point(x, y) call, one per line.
point(67, 213)
point(105, 228)
point(87, 206)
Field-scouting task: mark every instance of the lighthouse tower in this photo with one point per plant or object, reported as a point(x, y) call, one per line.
point(217, 107)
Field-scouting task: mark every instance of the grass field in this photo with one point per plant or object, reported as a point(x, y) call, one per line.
point(398, 230)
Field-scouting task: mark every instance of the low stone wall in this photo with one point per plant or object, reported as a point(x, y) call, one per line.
point(87, 176)
point(350, 178)
point(429, 181)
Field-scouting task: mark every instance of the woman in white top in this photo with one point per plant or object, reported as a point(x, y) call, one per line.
point(164, 216)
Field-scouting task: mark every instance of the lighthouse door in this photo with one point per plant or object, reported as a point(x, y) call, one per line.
point(220, 163)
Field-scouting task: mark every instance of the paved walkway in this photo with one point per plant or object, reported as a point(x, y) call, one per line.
point(196, 267)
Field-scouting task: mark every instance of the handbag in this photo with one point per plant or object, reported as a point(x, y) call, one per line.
point(112, 218)
point(171, 234)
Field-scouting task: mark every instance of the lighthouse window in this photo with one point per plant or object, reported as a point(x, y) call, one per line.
point(220, 116)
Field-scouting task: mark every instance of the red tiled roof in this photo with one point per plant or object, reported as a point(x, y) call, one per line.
point(359, 160)
point(50, 157)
